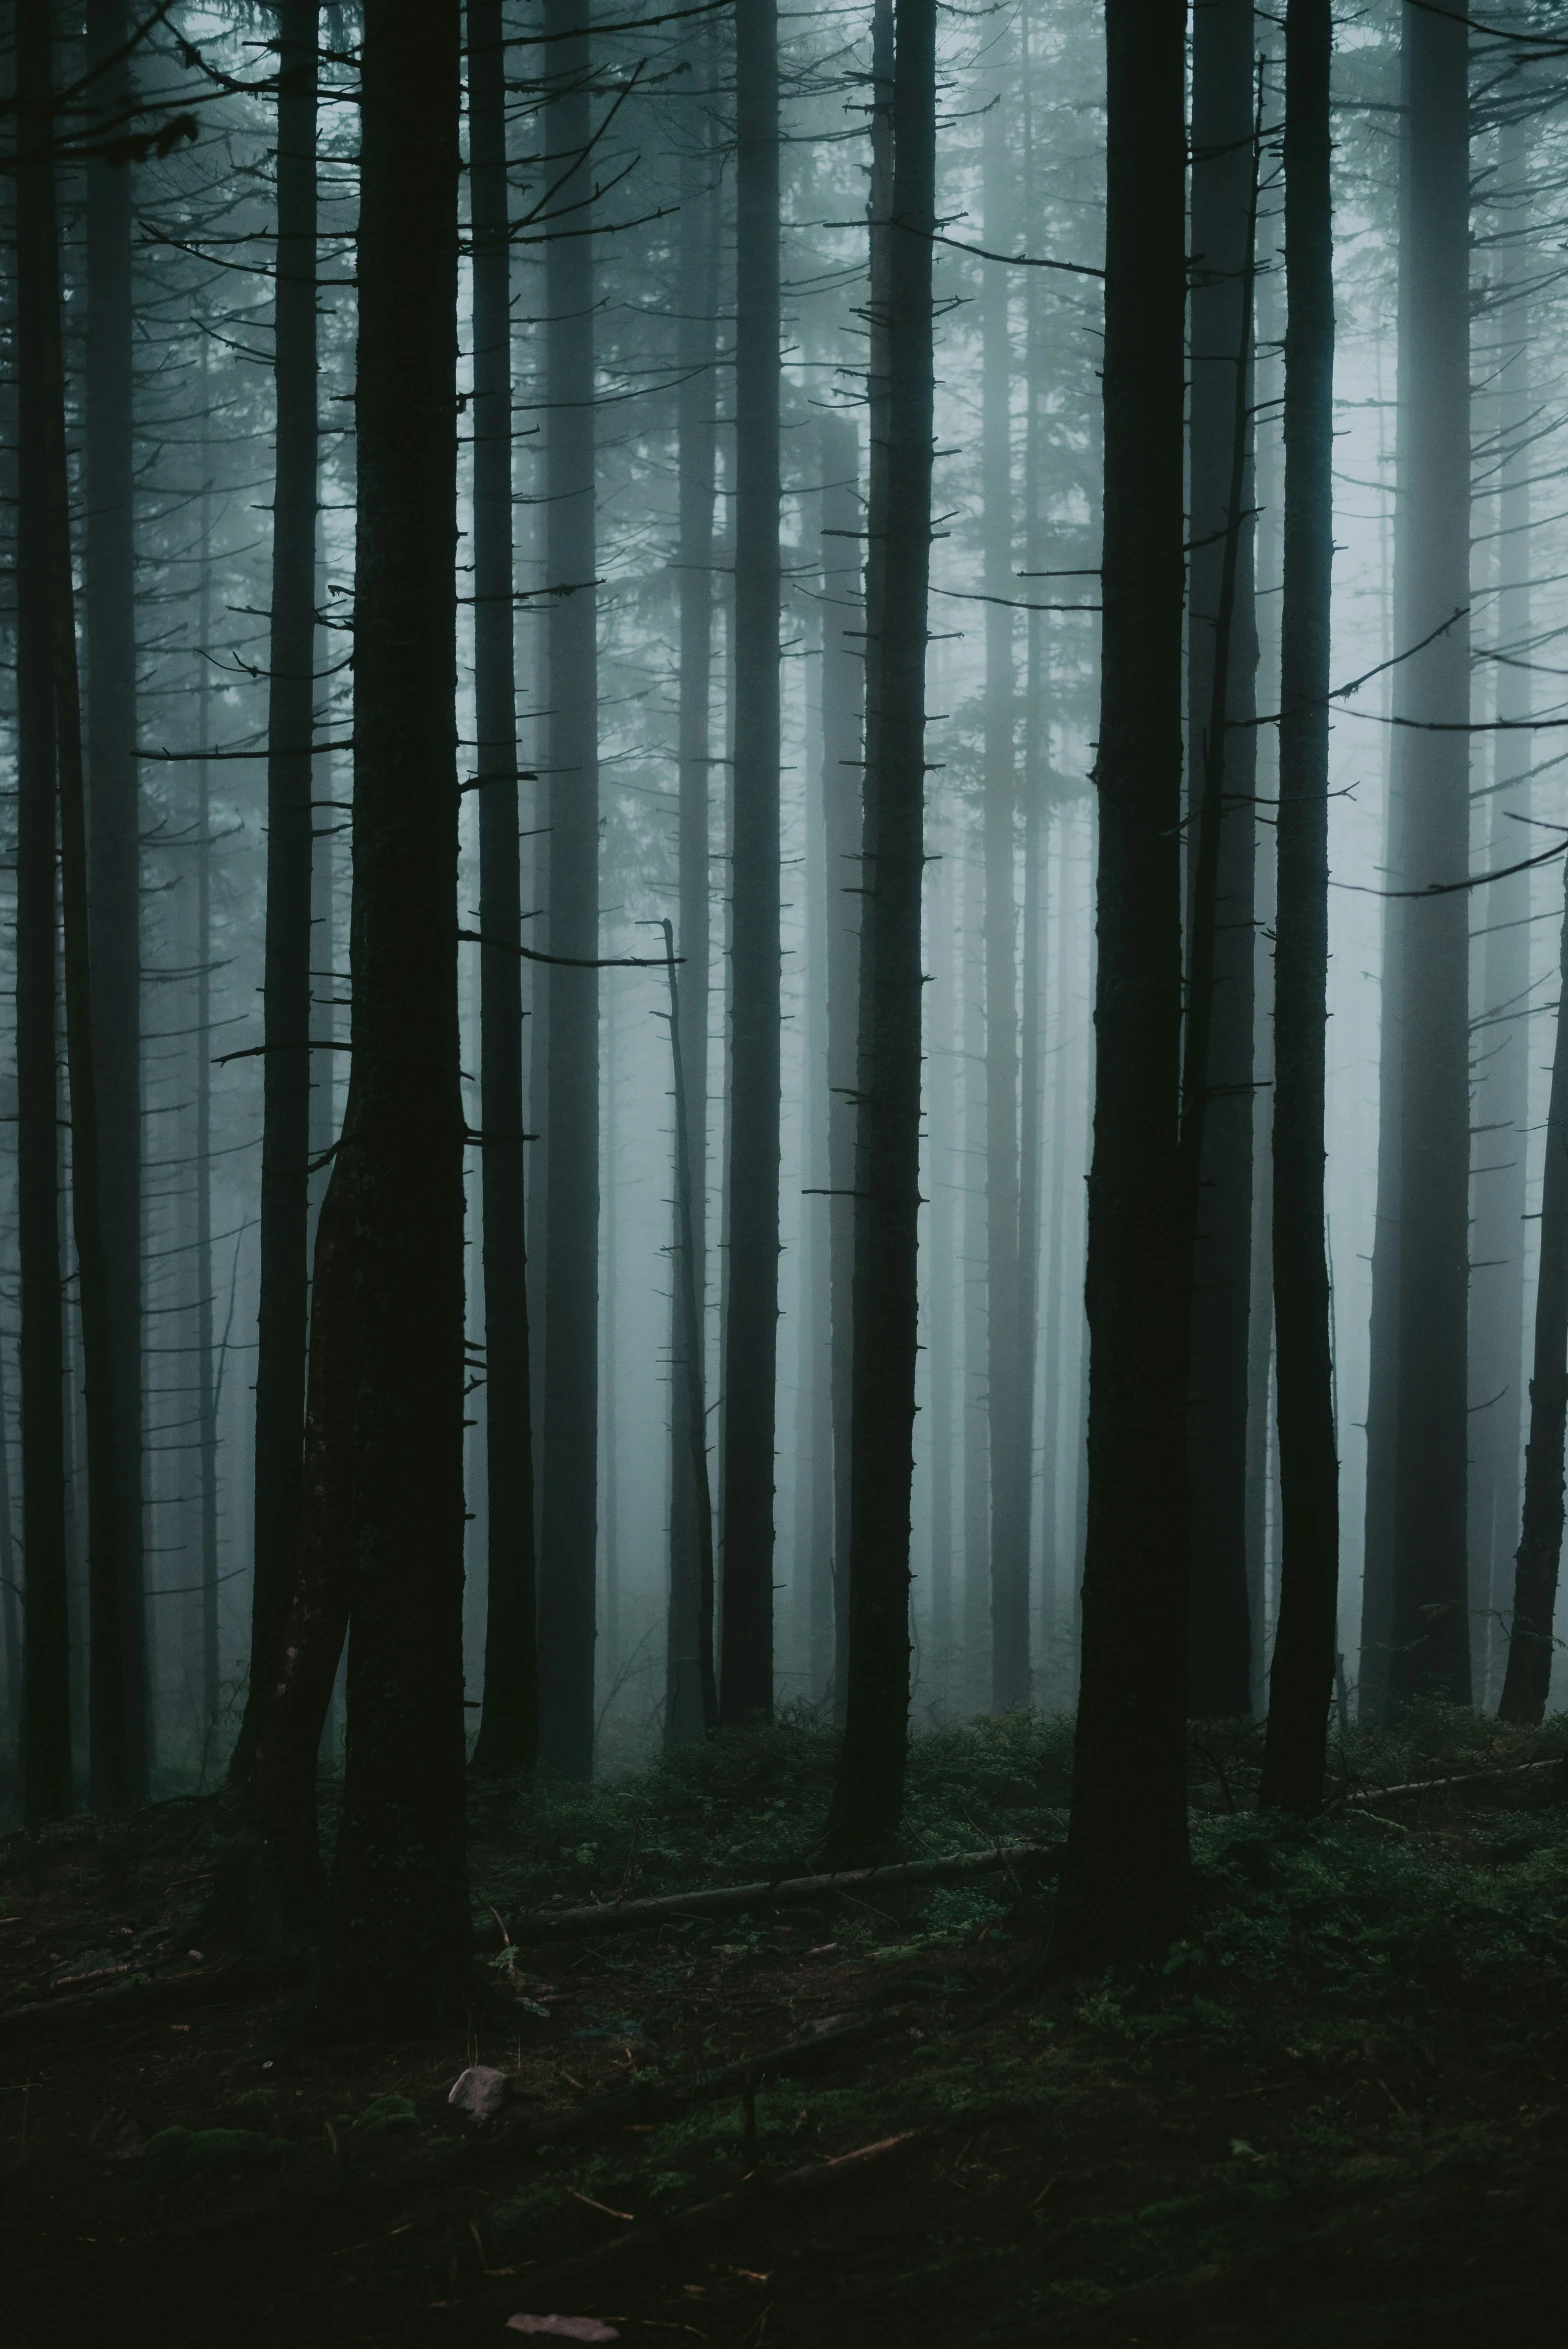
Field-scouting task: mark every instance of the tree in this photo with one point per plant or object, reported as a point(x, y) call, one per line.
point(46, 1716)
point(387, 1459)
point(509, 1722)
point(1302, 1677)
point(283, 1300)
point(868, 1793)
point(114, 847)
point(1221, 599)
point(751, 1305)
point(569, 1455)
point(1416, 1633)
point(1125, 1875)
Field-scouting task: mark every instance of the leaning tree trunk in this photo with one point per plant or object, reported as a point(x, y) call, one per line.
point(1305, 1642)
point(1125, 1879)
point(1428, 1018)
point(283, 1299)
point(868, 1794)
point(751, 1305)
point(1219, 1678)
point(1527, 1682)
point(114, 847)
point(46, 1715)
point(569, 1459)
point(389, 1256)
point(509, 1722)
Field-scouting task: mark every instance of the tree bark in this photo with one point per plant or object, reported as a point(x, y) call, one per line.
point(569, 1458)
point(684, 1707)
point(868, 1793)
point(1221, 604)
point(690, 1367)
point(283, 1296)
point(389, 1254)
point(1305, 1644)
point(46, 1718)
point(114, 843)
point(1430, 1632)
point(752, 1298)
point(509, 1721)
point(1009, 1444)
point(1527, 1681)
point(1125, 1883)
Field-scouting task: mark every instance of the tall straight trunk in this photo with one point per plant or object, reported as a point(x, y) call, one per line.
point(283, 1295)
point(1034, 779)
point(1501, 1109)
point(1009, 1435)
point(1125, 1878)
point(208, 1374)
point(1429, 1636)
point(509, 1722)
point(12, 1595)
point(46, 1718)
point(1305, 1642)
point(868, 1793)
point(971, 1274)
point(942, 1112)
point(114, 844)
point(690, 1359)
point(843, 694)
point(697, 427)
point(568, 1553)
point(1527, 1681)
point(389, 1251)
point(752, 1296)
point(1218, 1645)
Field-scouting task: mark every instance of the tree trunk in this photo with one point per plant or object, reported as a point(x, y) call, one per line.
point(868, 1794)
point(752, 1299)
point(689, 1358)
point(114, 844)
point(568, 1551)
point(843, 696)
point(1305, 1642)
point(209, 1377)
point(1430, 1630)
point(509, 1722)
point(46, 1718)
point(389, 1254)
point(283, 1302)
point(1219, 1680)
point(1009, 1437)
point(1125, 1883)
point(1527, 1682)
point(684, 1711)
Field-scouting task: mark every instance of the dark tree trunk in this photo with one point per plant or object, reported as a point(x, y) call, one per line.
point(389, 1251)
point(843, 693)
point(752, 1294)
point(689, 1361)
point(208, 1372)
point(509, 1722)
point(1429, 1011)
point(1219, 1679)
point(1125, 1879)
point(46, 1719)
point(868, 1795)
point(684, 1707)
point(1305, 1642)
point(114, 848)
point(1527, 1682)
point(569, 1460)
point(286, 994)
point(1009, 1444)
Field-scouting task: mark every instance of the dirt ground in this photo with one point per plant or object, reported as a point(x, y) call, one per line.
point(1308, 2130)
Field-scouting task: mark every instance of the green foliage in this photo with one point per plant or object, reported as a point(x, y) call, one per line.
point(386, 2114)
point(181, 2152)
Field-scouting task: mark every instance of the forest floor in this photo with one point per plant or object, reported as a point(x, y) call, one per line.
point(1340, 2113)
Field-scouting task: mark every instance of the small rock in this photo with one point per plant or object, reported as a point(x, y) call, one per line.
point(480, 2091)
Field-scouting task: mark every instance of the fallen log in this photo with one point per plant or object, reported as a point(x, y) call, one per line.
point(756, 2198)
point(1385, 1794)
point(1036, 1861)
point(207, 1986)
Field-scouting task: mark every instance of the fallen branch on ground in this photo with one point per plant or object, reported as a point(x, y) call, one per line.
point(755, 2198)
point(42, 2017)
point(1383, 1794)
point(1035, 1860)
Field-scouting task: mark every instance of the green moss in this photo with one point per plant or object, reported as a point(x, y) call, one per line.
point(387, 2114)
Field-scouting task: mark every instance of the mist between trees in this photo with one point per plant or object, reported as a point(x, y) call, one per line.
point(601, 610)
